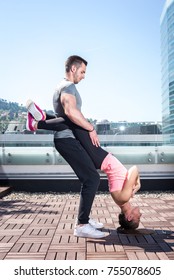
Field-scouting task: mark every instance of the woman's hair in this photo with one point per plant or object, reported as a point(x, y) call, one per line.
point(125, 224)
point(74, 60)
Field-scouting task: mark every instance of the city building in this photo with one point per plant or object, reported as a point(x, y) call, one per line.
point(167, 70)
point(128, 128)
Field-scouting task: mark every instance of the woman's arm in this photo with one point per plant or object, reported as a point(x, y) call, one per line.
point(137, 185)
point(131, 186)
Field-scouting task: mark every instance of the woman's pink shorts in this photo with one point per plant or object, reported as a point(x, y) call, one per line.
point(116, 172)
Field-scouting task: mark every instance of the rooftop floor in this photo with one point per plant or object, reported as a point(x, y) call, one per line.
point(40, 226)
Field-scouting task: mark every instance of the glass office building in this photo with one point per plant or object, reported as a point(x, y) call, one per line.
point(167, 70)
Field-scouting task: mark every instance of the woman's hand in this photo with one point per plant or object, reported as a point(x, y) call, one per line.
point(136, 188)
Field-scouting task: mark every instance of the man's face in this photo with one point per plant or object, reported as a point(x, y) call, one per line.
point(79, 73)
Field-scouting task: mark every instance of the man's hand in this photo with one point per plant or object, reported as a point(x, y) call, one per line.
point(94, 138)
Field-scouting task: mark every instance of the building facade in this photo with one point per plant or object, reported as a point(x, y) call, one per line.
point(167, 70)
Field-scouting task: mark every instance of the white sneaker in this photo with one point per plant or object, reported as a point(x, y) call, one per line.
point(34, 109)
point(95, 224)
point(88, 231)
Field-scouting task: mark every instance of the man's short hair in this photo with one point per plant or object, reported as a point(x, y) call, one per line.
point(125, 224)
point(74, 60)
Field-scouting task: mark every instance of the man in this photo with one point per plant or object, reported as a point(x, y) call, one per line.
point(67, 102)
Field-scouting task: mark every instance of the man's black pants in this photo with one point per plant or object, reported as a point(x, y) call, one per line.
point(76, 156)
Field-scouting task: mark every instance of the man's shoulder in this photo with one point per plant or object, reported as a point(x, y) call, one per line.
point(65, 84)
point(66, 87)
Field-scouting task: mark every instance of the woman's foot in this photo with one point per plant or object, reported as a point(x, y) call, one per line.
point(31, 124)
point(35, 111)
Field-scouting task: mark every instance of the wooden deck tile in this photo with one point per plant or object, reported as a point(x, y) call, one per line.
point(24, 256)
point(107, 256)
point(42, 228)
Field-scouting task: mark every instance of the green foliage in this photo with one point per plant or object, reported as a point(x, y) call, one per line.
point(13, 107)
point(10, 111)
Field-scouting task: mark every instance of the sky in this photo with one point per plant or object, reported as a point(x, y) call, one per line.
point(120, 39)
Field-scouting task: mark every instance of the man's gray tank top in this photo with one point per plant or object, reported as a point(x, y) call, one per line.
point(65, 86)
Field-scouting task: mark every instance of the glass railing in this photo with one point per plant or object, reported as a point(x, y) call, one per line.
point(28, 148)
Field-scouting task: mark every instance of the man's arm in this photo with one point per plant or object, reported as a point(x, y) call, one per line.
point(72, 112)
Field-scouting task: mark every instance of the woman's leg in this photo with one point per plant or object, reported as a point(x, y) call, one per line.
point(52, 123)
point(97, 154)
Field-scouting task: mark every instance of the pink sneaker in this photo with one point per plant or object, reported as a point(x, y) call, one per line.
point(35, 111)
point(30, 125)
